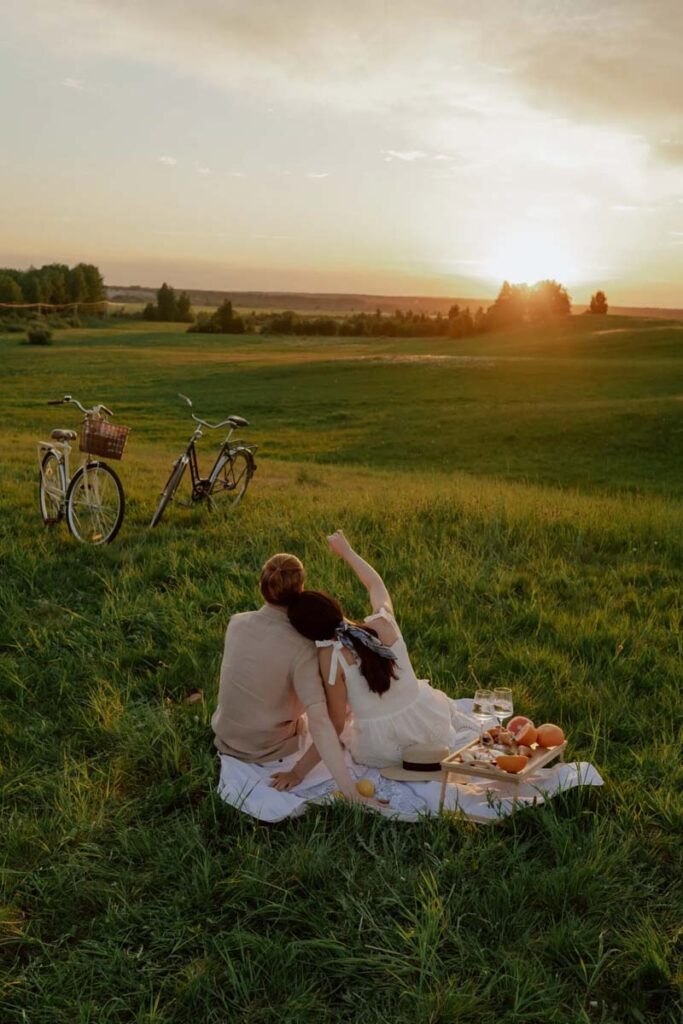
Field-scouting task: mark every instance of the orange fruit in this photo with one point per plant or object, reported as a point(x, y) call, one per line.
point(549, 735)
point(512, 763)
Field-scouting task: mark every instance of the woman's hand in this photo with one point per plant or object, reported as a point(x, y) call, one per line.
point(284, 780)
point(339, 544)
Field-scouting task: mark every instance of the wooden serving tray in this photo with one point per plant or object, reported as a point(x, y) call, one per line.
point(539, 759)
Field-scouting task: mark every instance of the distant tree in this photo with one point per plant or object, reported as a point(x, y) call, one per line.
point(167, 304)
point(510, 307)
point(78, 285)
point(223, 317)
point(548, 300)
point(94, 282)
point(150, 312)
point(467, 322)
point(480, 322)
point(598, 303)
point(9, 289)
point(55, 279)
point(185, 314)
point(33, 288)
point(223, 321)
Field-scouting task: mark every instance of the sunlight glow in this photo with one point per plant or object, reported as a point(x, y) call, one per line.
point(529, 256)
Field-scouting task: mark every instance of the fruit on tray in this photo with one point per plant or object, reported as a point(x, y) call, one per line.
point(549, 735)
point(512, 763)
point(511, 749)
point(523, 730)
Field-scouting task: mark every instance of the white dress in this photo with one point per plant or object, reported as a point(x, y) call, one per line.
point(410, 711)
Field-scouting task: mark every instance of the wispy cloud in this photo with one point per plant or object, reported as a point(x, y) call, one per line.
point(74, 83)
point(632, 208)
point(168, 161)
point(407, 155)
point(204, 171)
point(318, 174)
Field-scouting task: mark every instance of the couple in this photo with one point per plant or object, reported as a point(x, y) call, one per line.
point(298, 664)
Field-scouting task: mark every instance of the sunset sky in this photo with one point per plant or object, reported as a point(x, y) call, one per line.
point(427, 147)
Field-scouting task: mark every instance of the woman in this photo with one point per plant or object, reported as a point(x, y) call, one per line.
point(367, 666)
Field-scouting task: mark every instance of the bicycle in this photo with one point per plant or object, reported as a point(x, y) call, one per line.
point(92, 499)
point(229, 476)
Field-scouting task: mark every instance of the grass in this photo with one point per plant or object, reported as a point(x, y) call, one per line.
point(527, 517)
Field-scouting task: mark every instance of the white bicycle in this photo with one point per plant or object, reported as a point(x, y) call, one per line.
point(92, 499)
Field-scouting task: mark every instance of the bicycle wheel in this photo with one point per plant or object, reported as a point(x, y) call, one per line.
point(95, 504)
point(51, 489)
point(231, 478)
point(169, 490)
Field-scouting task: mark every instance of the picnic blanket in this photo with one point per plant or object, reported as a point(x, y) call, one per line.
point(246, 787)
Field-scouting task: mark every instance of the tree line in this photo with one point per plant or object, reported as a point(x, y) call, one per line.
point(54, 284)
point(515, 305)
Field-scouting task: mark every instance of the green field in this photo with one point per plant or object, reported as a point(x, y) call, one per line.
point(522, 494)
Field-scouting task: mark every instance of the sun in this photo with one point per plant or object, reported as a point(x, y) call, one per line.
point(529, 256)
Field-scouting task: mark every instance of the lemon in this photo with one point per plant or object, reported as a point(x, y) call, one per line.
point(365, 787)
point(338, 795)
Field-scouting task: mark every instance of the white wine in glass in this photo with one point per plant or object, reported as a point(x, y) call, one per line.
point(502, 703)
point(482, 708)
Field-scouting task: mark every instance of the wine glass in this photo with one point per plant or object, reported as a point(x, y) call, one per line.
point(482, 708)
point(502, 703)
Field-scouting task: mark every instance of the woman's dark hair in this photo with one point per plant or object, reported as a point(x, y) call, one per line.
point(316, 615)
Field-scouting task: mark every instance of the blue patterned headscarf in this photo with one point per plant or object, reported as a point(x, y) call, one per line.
point(346, 633)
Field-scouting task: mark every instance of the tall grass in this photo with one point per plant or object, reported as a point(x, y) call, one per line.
point(132, 894)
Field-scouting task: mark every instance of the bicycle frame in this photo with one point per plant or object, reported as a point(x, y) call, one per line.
point(201, 486)
point(62, 451)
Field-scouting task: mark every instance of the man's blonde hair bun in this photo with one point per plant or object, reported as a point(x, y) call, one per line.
point(282, 579)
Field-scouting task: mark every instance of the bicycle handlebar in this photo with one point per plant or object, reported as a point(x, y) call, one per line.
point(204, 423)
point(74, 401)
point(211, 426)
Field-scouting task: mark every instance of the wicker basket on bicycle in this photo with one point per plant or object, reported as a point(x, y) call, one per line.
point(98, 437)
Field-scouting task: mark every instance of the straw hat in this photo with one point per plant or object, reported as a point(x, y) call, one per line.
point(421, 763)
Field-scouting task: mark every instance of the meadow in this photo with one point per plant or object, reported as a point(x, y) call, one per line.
point(521, 493)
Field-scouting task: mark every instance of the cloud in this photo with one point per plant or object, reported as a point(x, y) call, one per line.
point(74, 83)
point(202, 170)
point(632, 208)
point(318, 174)
point(404, 154)
point(614, 62)
point(168, 161)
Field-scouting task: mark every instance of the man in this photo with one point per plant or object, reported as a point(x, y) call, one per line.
point(269, 678)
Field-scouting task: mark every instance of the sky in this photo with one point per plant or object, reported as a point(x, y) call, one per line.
point(425, 147)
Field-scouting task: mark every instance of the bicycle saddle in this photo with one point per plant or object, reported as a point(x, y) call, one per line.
point(64, 435)
point(238, 421)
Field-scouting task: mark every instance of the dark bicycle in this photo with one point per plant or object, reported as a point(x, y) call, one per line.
point(228, 479)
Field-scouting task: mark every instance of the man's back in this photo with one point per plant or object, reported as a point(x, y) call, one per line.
point(269, 676)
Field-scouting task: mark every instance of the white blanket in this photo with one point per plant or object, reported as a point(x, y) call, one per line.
point(246, 786)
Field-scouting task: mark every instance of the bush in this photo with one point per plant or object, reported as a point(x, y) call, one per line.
point(13, 328)
point(39, 336)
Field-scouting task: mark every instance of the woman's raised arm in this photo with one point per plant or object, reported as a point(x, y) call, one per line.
point(369, 577)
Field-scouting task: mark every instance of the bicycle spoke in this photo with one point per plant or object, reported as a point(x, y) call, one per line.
point(95, 504)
